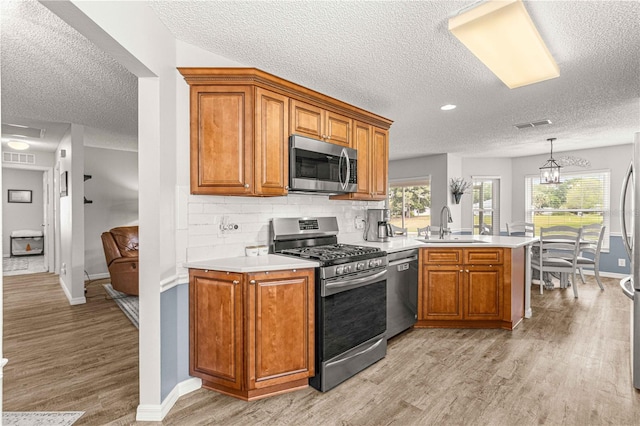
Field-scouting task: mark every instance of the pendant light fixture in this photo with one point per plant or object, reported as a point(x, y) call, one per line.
point(550, 172)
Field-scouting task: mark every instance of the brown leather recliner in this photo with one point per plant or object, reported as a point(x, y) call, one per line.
point(121, 252)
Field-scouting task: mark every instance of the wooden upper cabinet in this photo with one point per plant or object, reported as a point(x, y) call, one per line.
point(240, 123)
point(221, 140)
point(271, 143)
point(317, 123)
point(380, 164)
point(373, 162)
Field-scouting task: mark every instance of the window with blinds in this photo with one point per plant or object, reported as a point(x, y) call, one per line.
point(582, 198)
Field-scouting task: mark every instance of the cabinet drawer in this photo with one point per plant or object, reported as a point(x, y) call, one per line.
point(441, 256)
point(483, 256)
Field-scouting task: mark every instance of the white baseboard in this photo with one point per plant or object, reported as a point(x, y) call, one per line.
point(99, 276)
point(72, 301)
point(155, 413)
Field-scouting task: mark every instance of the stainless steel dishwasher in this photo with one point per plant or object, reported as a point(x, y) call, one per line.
point(402, 291)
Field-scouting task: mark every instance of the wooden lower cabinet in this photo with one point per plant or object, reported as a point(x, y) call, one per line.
point(252, 335)
point(471, 288)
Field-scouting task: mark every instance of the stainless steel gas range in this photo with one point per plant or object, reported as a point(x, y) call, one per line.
point(351, 310)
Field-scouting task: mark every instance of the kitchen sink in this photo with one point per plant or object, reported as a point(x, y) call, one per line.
point(452, 241)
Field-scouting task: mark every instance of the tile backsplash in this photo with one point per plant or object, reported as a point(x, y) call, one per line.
point(204, 238)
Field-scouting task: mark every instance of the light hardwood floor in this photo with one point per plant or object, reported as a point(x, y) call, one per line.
point(569, 364)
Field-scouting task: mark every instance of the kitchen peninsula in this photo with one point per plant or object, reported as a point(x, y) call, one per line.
point(466, 250)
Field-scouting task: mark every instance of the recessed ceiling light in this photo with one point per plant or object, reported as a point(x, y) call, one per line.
point(448, 107)
point(18, 145)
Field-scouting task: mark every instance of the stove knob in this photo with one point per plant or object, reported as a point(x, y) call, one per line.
point(360, 266)
point(339, 270)
point(372, 263)
point(378, 262)
point(347, 269)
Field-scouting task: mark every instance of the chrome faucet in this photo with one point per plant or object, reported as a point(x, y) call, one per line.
point(444, 228)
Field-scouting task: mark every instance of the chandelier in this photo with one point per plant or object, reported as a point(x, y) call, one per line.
point(550, 172)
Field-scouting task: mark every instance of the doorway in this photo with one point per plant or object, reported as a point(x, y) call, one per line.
point(28, 243)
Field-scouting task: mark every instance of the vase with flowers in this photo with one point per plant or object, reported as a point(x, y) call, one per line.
point(458, 186)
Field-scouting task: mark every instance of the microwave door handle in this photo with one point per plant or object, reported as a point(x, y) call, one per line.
point(623, 220)
point(348, 161)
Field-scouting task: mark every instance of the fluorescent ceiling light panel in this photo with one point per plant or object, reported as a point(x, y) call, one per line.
point(502, 35)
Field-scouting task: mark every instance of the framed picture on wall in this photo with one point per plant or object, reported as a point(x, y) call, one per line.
point(63, 184)
point(19, 196)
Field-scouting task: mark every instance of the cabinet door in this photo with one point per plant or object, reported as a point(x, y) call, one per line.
point(221, 140)
point(306, 120)
point(483, 295)
point(337, 129)
point(271, 143)
point(362, 143)
point(380, 163)
point(215, 324)
point(441, 293)
point(280, 327)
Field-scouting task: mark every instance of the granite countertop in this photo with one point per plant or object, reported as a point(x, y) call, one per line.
point(396, 244)
point(274, 262)
point(271, 262)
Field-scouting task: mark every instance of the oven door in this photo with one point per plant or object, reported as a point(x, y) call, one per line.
point(353, 316)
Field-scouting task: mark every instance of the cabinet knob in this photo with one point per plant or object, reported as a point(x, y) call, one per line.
point(252, 282)
point(461, 270)
point(324, 136)
point(467, 271)
point(286, 187)
point(294, 270)
point(235, 282)
point(246, 185)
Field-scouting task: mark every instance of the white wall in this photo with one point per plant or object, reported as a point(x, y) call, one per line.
point(113, 188)
point(70, 231)
point(21, 215)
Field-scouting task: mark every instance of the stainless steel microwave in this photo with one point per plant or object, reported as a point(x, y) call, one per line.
point(317, 166)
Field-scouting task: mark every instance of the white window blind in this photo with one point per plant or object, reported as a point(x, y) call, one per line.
point(582, 198)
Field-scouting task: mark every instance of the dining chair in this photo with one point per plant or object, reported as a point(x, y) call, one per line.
point(397, 230)
point(559, 247)
point(520, 228)
point(591, 243)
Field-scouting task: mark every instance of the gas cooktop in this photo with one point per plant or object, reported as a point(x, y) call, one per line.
point(333, 252)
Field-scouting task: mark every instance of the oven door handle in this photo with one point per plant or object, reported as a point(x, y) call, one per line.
point(344, 285)
point(362, 352)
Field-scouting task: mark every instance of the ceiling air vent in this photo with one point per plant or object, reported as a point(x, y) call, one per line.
point(532, 124)
point(18, 158)
point(22, 131)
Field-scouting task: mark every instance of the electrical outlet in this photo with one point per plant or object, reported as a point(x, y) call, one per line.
point(226, 226)
point(359, 222)
point(622, 262)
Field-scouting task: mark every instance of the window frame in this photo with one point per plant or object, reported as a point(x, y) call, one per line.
point(606, 202)
point(405, 183)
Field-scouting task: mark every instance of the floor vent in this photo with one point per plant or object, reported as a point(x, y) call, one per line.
point(18, 158)
point(532, 124)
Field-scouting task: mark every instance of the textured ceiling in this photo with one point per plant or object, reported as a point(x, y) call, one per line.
point(396, 59)
point(52, 74)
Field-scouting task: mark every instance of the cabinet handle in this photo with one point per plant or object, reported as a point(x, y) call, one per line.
point(246, 185)
point(236, 282)
point(252, 282)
